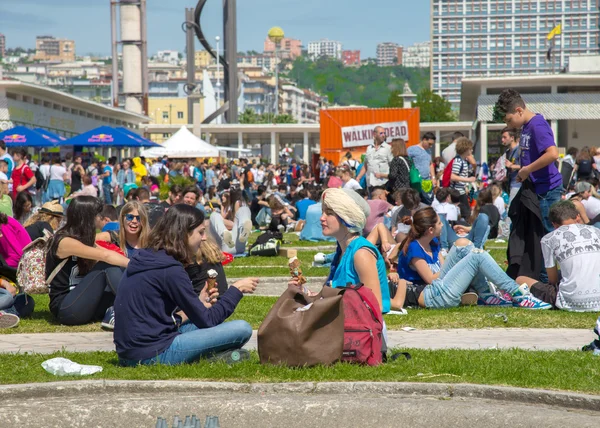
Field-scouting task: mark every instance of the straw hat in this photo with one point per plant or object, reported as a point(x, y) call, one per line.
point(53, 208)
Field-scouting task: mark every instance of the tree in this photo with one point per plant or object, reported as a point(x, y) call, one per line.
point(249, 116)
point(367, 85)
point(395, 99)
point(433, 107)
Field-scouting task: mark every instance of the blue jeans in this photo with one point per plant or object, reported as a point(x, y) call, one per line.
point(463, 266)
point(546, 201)
point(477, 235)
point(6, 299)
point(21, 305)
point(194, 343)
point(106, 188)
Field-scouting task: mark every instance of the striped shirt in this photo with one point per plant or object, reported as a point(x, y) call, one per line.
point(460, 167)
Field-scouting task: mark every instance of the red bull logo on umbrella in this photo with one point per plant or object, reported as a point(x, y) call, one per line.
point(101, 138)
point(14, 138)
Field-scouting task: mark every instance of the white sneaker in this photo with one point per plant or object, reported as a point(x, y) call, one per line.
point(228, 239)
point(319, 258)
point(245, 231)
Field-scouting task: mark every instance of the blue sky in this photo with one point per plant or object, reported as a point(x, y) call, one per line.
point(357, 24)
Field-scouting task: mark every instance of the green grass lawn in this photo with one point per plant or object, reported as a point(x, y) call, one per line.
point(557, 370)
point(254, 309)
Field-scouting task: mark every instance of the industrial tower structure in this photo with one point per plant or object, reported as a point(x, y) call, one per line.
point(133, 39)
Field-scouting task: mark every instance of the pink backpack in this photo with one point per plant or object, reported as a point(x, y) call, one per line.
point(363, 327)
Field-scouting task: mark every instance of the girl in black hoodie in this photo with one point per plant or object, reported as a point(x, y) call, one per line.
point(159, 319)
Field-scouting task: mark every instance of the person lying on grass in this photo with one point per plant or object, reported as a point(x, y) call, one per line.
point(575, 247)
point(159, 319)
point(439, 283)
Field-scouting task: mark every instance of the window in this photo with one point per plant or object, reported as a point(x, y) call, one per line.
point(165, 114)
point(179, 115)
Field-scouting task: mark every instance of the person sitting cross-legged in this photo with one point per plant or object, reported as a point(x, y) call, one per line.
point(575, 247)
point(439, 283)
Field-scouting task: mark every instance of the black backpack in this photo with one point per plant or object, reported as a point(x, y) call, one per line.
point(39, 177)
point(267, 244)
point(584, 168)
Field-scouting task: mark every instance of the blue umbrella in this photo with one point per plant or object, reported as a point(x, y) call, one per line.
point(105, 136)
point(50, 134)
point(146, 142)
point(20, 136)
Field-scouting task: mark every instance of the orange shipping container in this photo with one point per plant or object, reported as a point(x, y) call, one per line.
point(333, 120)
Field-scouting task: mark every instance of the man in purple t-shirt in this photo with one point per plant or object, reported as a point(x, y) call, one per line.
point(538, 150)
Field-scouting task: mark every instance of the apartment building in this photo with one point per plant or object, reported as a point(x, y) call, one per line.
point(484, 38)
point(417, 55)
point(387, 54)
point(351, 58)
point(48, 48)
point(288, 48)
point(2, 45)
point(325, 47)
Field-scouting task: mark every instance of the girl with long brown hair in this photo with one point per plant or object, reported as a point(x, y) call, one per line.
point(439, 283)
point(159, 317)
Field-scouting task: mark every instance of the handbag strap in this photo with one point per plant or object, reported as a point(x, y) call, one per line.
point(405, 162)
point(56, 270)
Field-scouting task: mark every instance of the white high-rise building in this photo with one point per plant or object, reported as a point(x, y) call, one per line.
point(473, 38)
point(417, 55)
point(325, 47)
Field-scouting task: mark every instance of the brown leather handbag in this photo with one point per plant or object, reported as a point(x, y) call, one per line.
point(303, 331)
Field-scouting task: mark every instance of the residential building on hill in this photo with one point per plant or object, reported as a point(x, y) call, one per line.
point(387, 54)
point(171, 57)
point(325, 47)
point(474, 38)
point(203, 59)
point(288, 48)
point(417, 55)
point(351, 58)
point(266, 61)
point(48, 48)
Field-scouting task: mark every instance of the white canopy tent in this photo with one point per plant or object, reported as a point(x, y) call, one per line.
point(183, 144)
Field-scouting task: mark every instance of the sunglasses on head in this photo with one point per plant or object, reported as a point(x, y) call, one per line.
point(130, 217)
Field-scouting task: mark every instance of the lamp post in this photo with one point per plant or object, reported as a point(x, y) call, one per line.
point(276, 35)
point(218, 84)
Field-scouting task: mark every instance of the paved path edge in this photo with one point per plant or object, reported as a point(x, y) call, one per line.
point(441, 390)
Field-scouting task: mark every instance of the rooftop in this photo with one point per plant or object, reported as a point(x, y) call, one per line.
point(473, 88)
point(58, 97)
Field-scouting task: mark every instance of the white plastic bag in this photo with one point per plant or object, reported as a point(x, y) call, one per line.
point(65, 367)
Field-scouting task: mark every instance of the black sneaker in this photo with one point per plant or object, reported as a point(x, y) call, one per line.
point(108, 322)
point(592, 347)
point(231, 357)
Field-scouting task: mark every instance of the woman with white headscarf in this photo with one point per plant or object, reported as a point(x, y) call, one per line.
point(356, 261)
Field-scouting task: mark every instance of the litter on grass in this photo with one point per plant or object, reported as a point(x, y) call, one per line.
point(408, 328)
point(65, 367)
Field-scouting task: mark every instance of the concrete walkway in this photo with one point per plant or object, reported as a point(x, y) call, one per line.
point(529, 339)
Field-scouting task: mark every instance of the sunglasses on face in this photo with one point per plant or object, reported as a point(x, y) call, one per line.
point(130, 217)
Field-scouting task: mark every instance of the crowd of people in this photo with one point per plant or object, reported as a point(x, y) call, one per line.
point(408, 226)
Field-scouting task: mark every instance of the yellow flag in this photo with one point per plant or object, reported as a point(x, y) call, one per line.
point(555, 32)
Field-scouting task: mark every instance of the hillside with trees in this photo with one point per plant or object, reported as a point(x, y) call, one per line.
point(368, 85)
